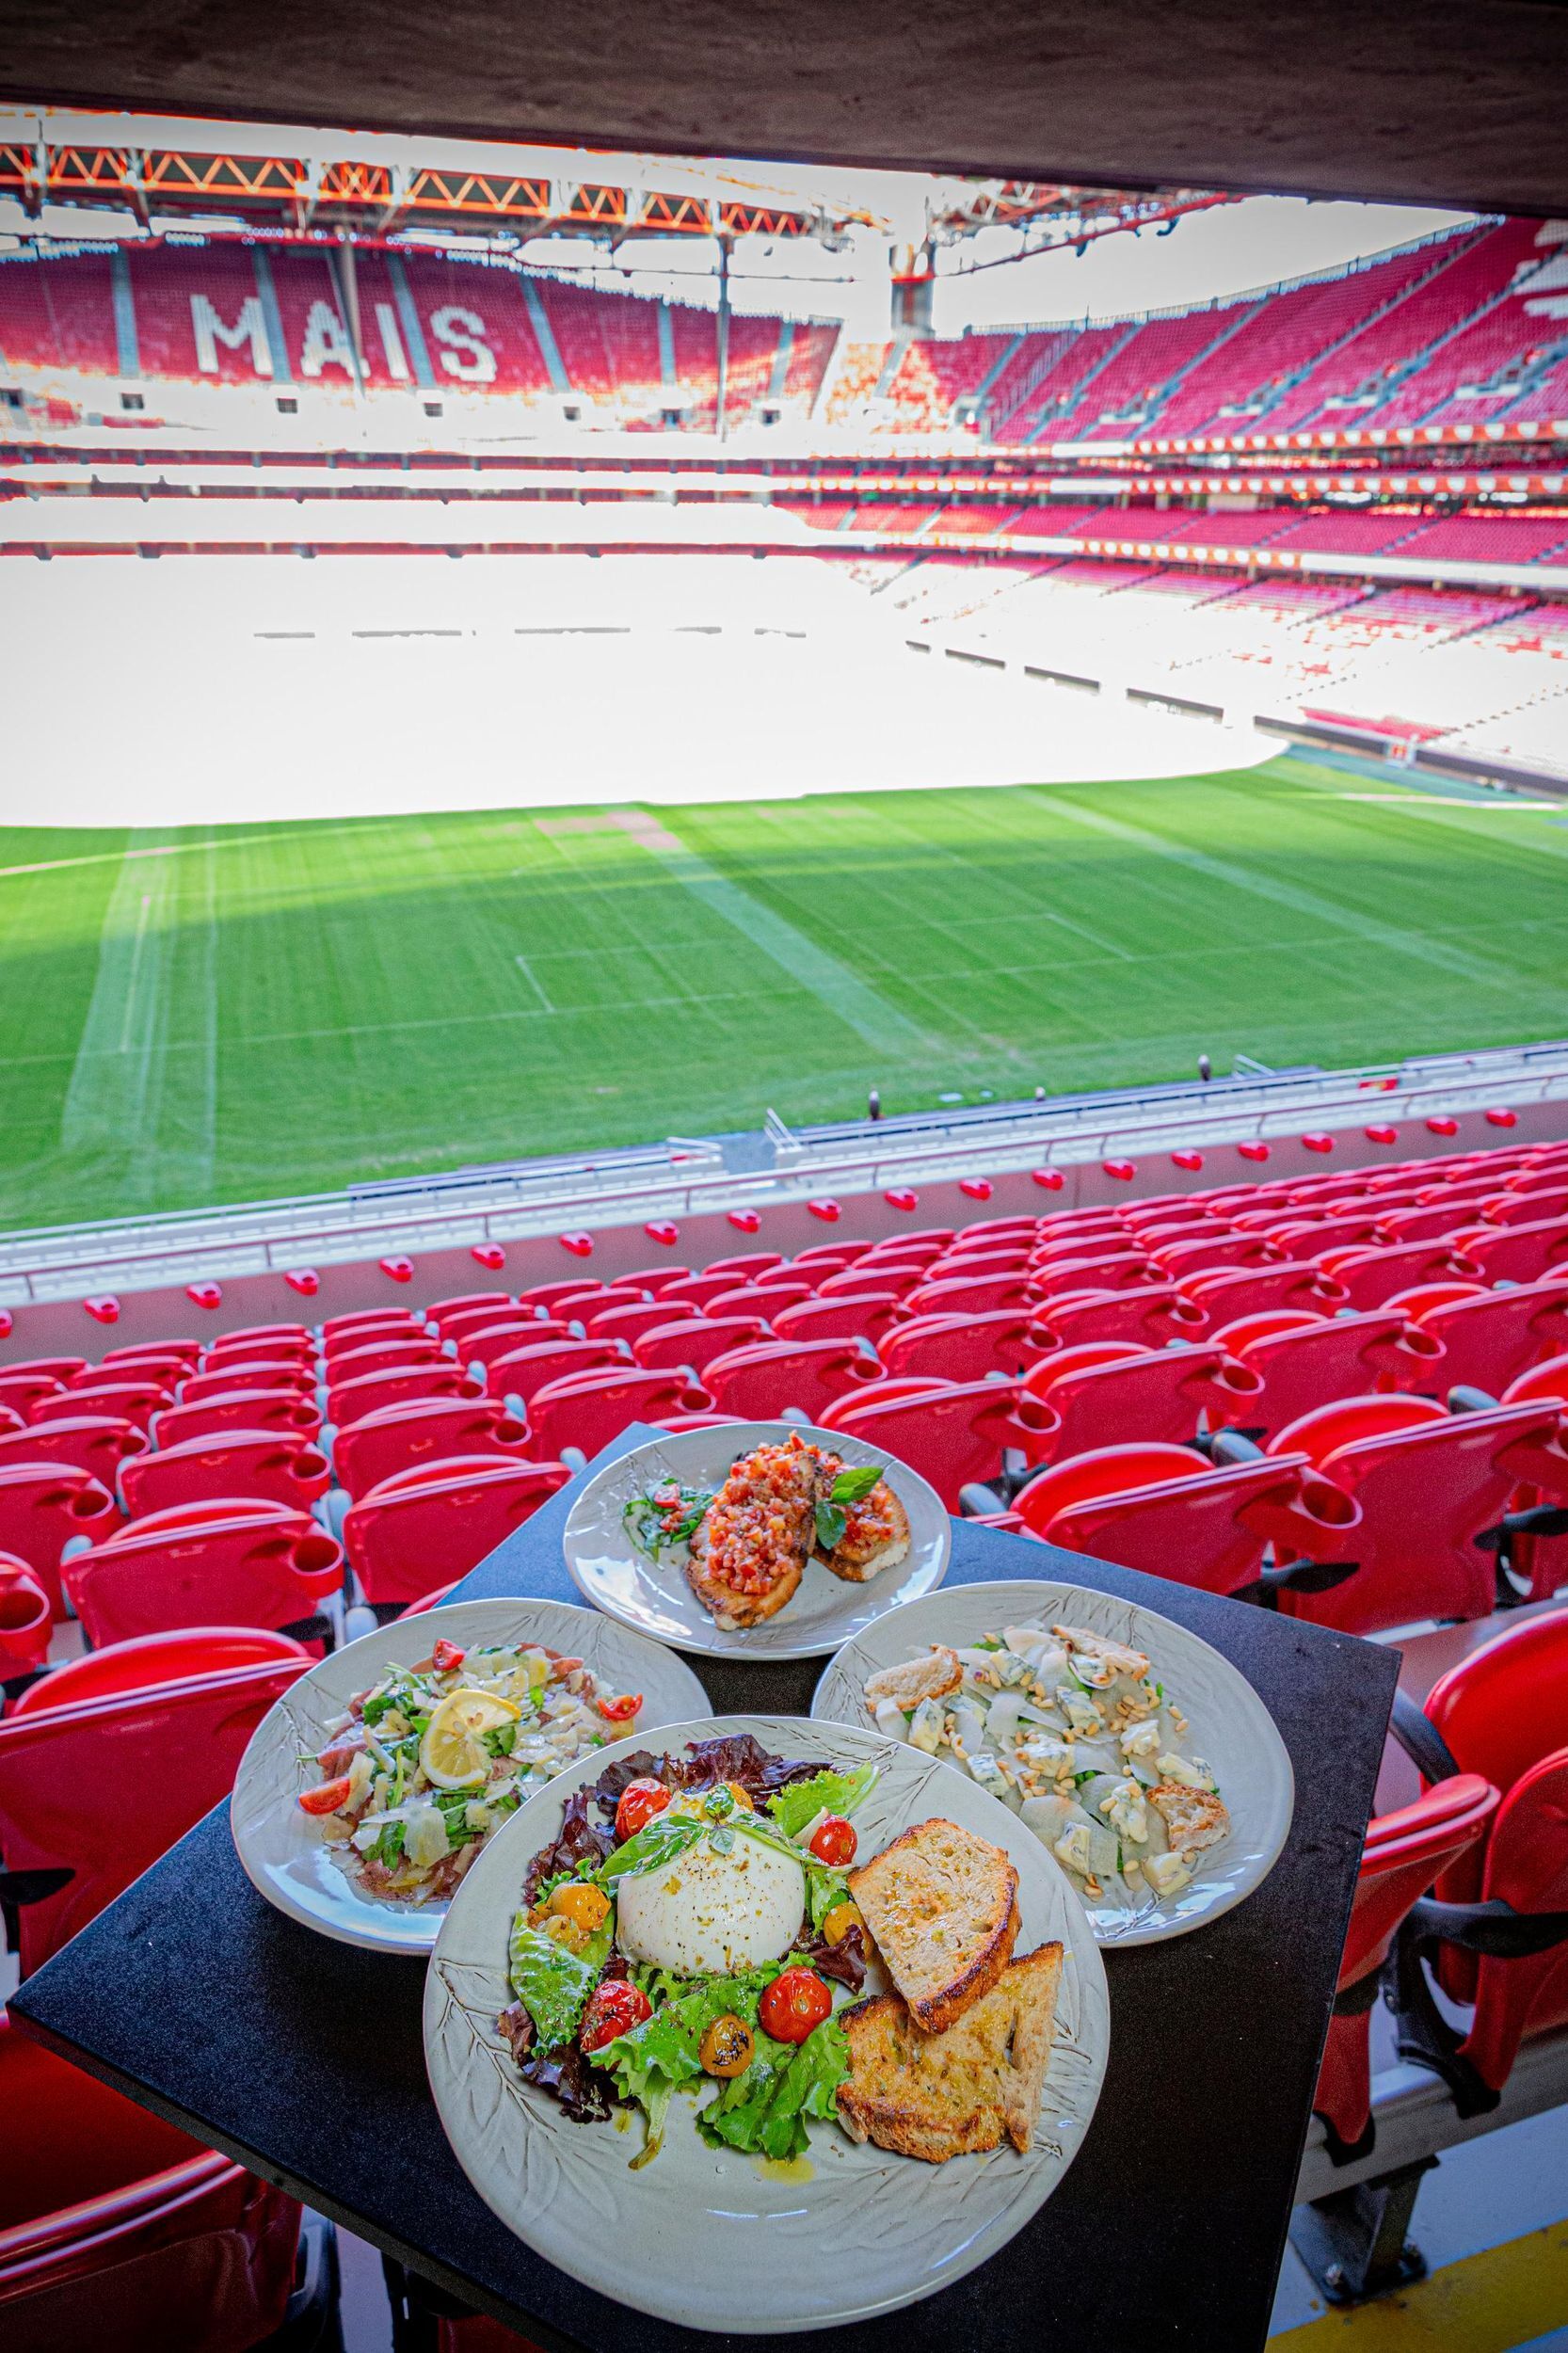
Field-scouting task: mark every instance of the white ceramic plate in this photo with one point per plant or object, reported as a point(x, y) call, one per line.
point(653, 1595)
point(710, 2238)
point(1231, 1728)
point(281, 1848)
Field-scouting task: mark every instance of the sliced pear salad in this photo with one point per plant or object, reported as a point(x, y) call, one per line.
point(1076, 1734)
point(424, 1766)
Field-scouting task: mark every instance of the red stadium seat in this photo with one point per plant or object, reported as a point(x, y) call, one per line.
point(746, 1268)
point(1154, 1313)
point(1164, 1510)
point(766, 1379)
point(621, 1322)
point(693, 1296)
point(694, 1340)
point(26, 1618)
point(415, 1436)
point(384, 1355)
point(850, 1282)
point(445, 1312)
point(106, 1762)
point(460, 1328)
point(1548, 1203)
point(230, 1563)
point(531, 1366)
point(1514, 1254)
point(44, 1506)
point(1400, 1861)
point(60, 1368)
point(1427, 1483)
point(1248, 1290)
point(1307, 1360)
point(250, 1410)
point(586, 1410)
point(224, 1379)
point(21, 1391)
point(566, 1297)
point(347, 1400)
point(953, 1433)
point(1526, 1867)
point(441, 1521)
point(98, 1443)
point(298, 1357)
point(367, 1320)
point(167, 1367)
point(1112, 1271)
point(126, 1401)
point(749, 1299)
point(486, 1341)
point(864, 1315)
point(960, 1348)
point(1370, 1276)
point(117, 2231)
point(275, 1466)
point(1490, 1337)
point(1197, 1254)
point(288, 1334)
point(1108, 1393)
point(961, 1294)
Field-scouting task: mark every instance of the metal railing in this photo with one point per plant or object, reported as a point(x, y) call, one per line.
point(690, 1177)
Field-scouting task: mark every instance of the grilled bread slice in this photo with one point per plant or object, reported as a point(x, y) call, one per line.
point(933, 1678)
point(730, 1608)
point(941, 1906)
point(957, 2093)
point(875, 1537)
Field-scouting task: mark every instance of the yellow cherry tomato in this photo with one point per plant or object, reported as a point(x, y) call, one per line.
point(587, 1907)
point(839, 1922)
point(727, 2047)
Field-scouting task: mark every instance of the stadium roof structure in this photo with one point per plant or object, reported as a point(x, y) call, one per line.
point(1400, 101)
point(297, 181)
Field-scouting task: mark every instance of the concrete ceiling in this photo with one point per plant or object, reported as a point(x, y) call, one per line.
point(1368, 98)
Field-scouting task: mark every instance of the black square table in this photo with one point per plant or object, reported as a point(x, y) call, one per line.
point(304, 2058)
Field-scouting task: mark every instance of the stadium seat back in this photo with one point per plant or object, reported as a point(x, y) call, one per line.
point(414, 1436)
point(347, 1400)
point(1159, 1394)
point(694, 1296)
point(365, 1320)
point(1526, 1865)
point(1153, 1313)
point(441, 1522)
point(1527, 1207)
point(1158, 1508)
point(749, 1299)
point(960, 1295)
point(1403, 1854)
point(1490, 1337)
point(629, 1323)
point(228, 1379)
point(586, 1410)
point(865, 1315)
point(1227, 1293)
point(486, 1341)
point(126, 1400)
point(98, 1443)
point(42, 1507)
point(1371, 1275)
point(1319, 1359)
point(533, 1365)
point(117, 2231)
point(260, 1338)
point(951, 1435)
point(445, 1312)
point(565, 1298)
point(759, 1381)
point(167, 1366)
point(1199, 1253)
point(960, 1347)
point(26, 1618)
point(256, 1564)
point(379, 1355)
point(277, 1466)
point(695, 1339)
point(850, 1282)
point(250, 1410)
point(747, 1266)
point(1113, 1271)
point(21, 1391)
point(101, 1782)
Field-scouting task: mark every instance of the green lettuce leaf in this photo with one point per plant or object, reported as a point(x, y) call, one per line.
point(552, 1984)
point(824, 1793)
point(765, 2111)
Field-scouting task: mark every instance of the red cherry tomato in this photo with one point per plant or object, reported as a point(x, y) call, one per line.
point(639, 1802)
point(835, 1841)
point(794, 2004)
point(613, 2008)
point(446, 1656)
point(326, 1797)
point(620, 1710)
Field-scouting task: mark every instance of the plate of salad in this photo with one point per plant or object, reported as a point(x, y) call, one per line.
point(370, 1788)
point(675, 2011)
point(761, 1539)
point(1138, 1754)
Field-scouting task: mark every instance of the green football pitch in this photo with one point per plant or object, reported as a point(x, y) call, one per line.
point(231, 1013)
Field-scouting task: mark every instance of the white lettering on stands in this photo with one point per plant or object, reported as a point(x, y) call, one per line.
point(465, 353)
point(391, 344)
point(325, 342)
point(210, 331)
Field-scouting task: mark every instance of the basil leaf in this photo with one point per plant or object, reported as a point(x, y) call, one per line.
point(853, 1486)
point(831, 1523)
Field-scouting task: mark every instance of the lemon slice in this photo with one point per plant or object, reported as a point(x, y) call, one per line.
point(450, 1753)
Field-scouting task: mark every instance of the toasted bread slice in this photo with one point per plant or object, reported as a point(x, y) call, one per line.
point(875, 1537)
point(729, 1608)
point(941, 1904)
point(933, 1678)
point(1194, 1818)
point(957, 2093)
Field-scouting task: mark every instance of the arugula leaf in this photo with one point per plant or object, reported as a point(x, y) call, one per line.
point(824, 1793)
point(552, 1982)
point(501, 1740)
point(387, 1848)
